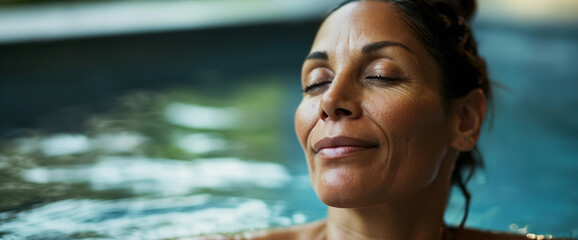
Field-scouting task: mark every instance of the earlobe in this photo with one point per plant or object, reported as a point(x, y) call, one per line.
point(469, 112)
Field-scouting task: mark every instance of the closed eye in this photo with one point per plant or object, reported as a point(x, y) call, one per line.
point(385, 79)
point(315, 87)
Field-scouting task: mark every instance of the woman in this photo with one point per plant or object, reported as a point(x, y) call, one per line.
point(394, 96)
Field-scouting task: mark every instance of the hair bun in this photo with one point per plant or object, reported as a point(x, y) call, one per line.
point(466, 8)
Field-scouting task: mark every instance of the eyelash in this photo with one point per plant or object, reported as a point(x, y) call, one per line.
point(314, 86)
point(384, 79)
point(380, 78)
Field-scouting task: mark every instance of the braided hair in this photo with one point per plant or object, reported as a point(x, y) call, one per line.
point(442, 26)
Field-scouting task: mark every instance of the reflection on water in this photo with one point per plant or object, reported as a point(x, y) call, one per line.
point(165, 177)
point(202, 143)
point(154, 166)
point(143, 218)
point(66, 144)
point(63, 144)
point(202, 117)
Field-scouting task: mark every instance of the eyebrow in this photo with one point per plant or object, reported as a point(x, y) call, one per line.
point(369, 48)
point(317, 55)
point(372, 47)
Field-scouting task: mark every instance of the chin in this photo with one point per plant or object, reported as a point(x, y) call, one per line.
point(348, 193)
point(348, 200)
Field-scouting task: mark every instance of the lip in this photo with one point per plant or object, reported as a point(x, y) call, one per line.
point(335, 147)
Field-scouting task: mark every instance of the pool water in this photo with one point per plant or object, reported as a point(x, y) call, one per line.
point(532, 146)
point(194, 165)
point(180, 162)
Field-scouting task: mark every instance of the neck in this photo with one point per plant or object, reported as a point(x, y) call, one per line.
point(419, 216)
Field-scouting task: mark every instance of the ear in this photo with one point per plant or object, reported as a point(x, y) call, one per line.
point(469, 113)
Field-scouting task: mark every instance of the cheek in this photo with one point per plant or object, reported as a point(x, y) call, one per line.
point(415, 129)
point(305, 118)
point(411, 120)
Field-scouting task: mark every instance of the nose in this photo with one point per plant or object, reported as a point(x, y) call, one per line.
point(341, 100)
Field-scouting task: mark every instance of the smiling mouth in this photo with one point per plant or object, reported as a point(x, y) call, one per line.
point(337, 147)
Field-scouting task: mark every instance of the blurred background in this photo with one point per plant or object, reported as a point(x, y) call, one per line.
point(164, 119)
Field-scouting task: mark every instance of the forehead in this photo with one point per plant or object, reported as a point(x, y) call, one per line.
point(359, 23)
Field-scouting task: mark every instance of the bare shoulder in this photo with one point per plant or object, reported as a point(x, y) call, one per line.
point(309, 231)
point(474, 234)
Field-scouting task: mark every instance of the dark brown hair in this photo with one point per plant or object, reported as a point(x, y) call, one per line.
point(443, 28)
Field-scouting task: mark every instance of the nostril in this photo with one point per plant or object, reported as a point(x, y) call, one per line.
point(342, 111)
point(324, 115)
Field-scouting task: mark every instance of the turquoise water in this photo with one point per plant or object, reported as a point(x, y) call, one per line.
point(161, 165)
point(178, 162)
point(531, 149)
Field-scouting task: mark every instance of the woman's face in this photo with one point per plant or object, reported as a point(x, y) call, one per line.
point(372, 121)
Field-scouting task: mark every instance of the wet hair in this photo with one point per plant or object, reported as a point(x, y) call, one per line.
point(442, 26)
